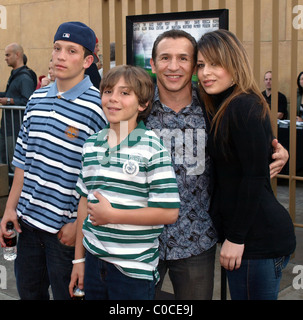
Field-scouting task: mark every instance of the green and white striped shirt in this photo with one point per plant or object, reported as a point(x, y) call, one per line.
point(135, 174)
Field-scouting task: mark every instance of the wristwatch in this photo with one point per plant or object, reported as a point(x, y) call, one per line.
point(8, 101)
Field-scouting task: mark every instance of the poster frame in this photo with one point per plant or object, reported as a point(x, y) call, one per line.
point(162, 18)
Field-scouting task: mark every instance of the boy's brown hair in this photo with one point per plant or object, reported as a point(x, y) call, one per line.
point(138, 80)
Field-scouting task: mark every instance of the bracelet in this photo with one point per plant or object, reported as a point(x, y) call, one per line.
point(78, 261)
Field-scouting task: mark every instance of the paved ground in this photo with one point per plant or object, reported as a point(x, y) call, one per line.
point(287, 290)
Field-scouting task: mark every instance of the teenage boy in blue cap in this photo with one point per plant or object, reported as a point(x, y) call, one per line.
point(43, 202)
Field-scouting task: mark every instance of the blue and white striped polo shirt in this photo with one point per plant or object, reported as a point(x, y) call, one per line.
point(49, 150)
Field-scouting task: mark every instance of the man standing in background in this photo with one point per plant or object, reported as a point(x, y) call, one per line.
point(282, 101)
point(19, 88)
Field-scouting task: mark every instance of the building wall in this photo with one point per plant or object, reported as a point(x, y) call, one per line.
point(33, 23)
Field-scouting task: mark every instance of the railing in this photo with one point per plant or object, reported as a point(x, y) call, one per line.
point(9, 132)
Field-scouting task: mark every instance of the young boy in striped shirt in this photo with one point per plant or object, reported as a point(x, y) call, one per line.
point(128, 191)
point(58, 120)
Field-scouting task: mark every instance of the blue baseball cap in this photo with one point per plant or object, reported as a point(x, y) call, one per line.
point(77, 32)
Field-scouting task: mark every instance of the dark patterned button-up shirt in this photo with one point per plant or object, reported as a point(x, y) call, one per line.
point(185, 135)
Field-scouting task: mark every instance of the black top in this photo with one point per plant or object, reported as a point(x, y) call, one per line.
point(282, 103)
point(20, 87)
point(244, 208)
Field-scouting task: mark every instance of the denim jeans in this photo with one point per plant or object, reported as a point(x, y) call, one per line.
point(103, 281)
point(257, 279)
point(42, 261)
point(192, 278)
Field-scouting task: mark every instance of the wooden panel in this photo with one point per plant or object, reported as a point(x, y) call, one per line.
point(119, 32)
point(106, 36)
point(293, 131)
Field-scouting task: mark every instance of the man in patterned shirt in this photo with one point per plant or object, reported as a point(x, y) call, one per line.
point(187, 247)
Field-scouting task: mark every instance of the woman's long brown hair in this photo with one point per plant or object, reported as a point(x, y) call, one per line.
point(224, 49)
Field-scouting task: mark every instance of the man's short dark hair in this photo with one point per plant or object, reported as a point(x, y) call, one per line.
point(174, 34)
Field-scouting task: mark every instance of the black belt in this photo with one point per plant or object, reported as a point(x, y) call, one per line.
point(27, 225)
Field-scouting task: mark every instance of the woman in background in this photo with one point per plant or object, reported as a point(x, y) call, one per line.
point(300, 97)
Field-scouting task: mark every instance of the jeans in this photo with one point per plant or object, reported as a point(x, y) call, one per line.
point(192, 278)
point(257, 279)
point(103, 281)
point(42, 261)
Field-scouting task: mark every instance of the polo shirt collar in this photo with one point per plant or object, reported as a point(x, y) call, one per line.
point(74, 92)
point(157, 102)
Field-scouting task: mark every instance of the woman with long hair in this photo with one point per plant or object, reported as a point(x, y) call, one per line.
point(300, 97)
point(256, 231)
